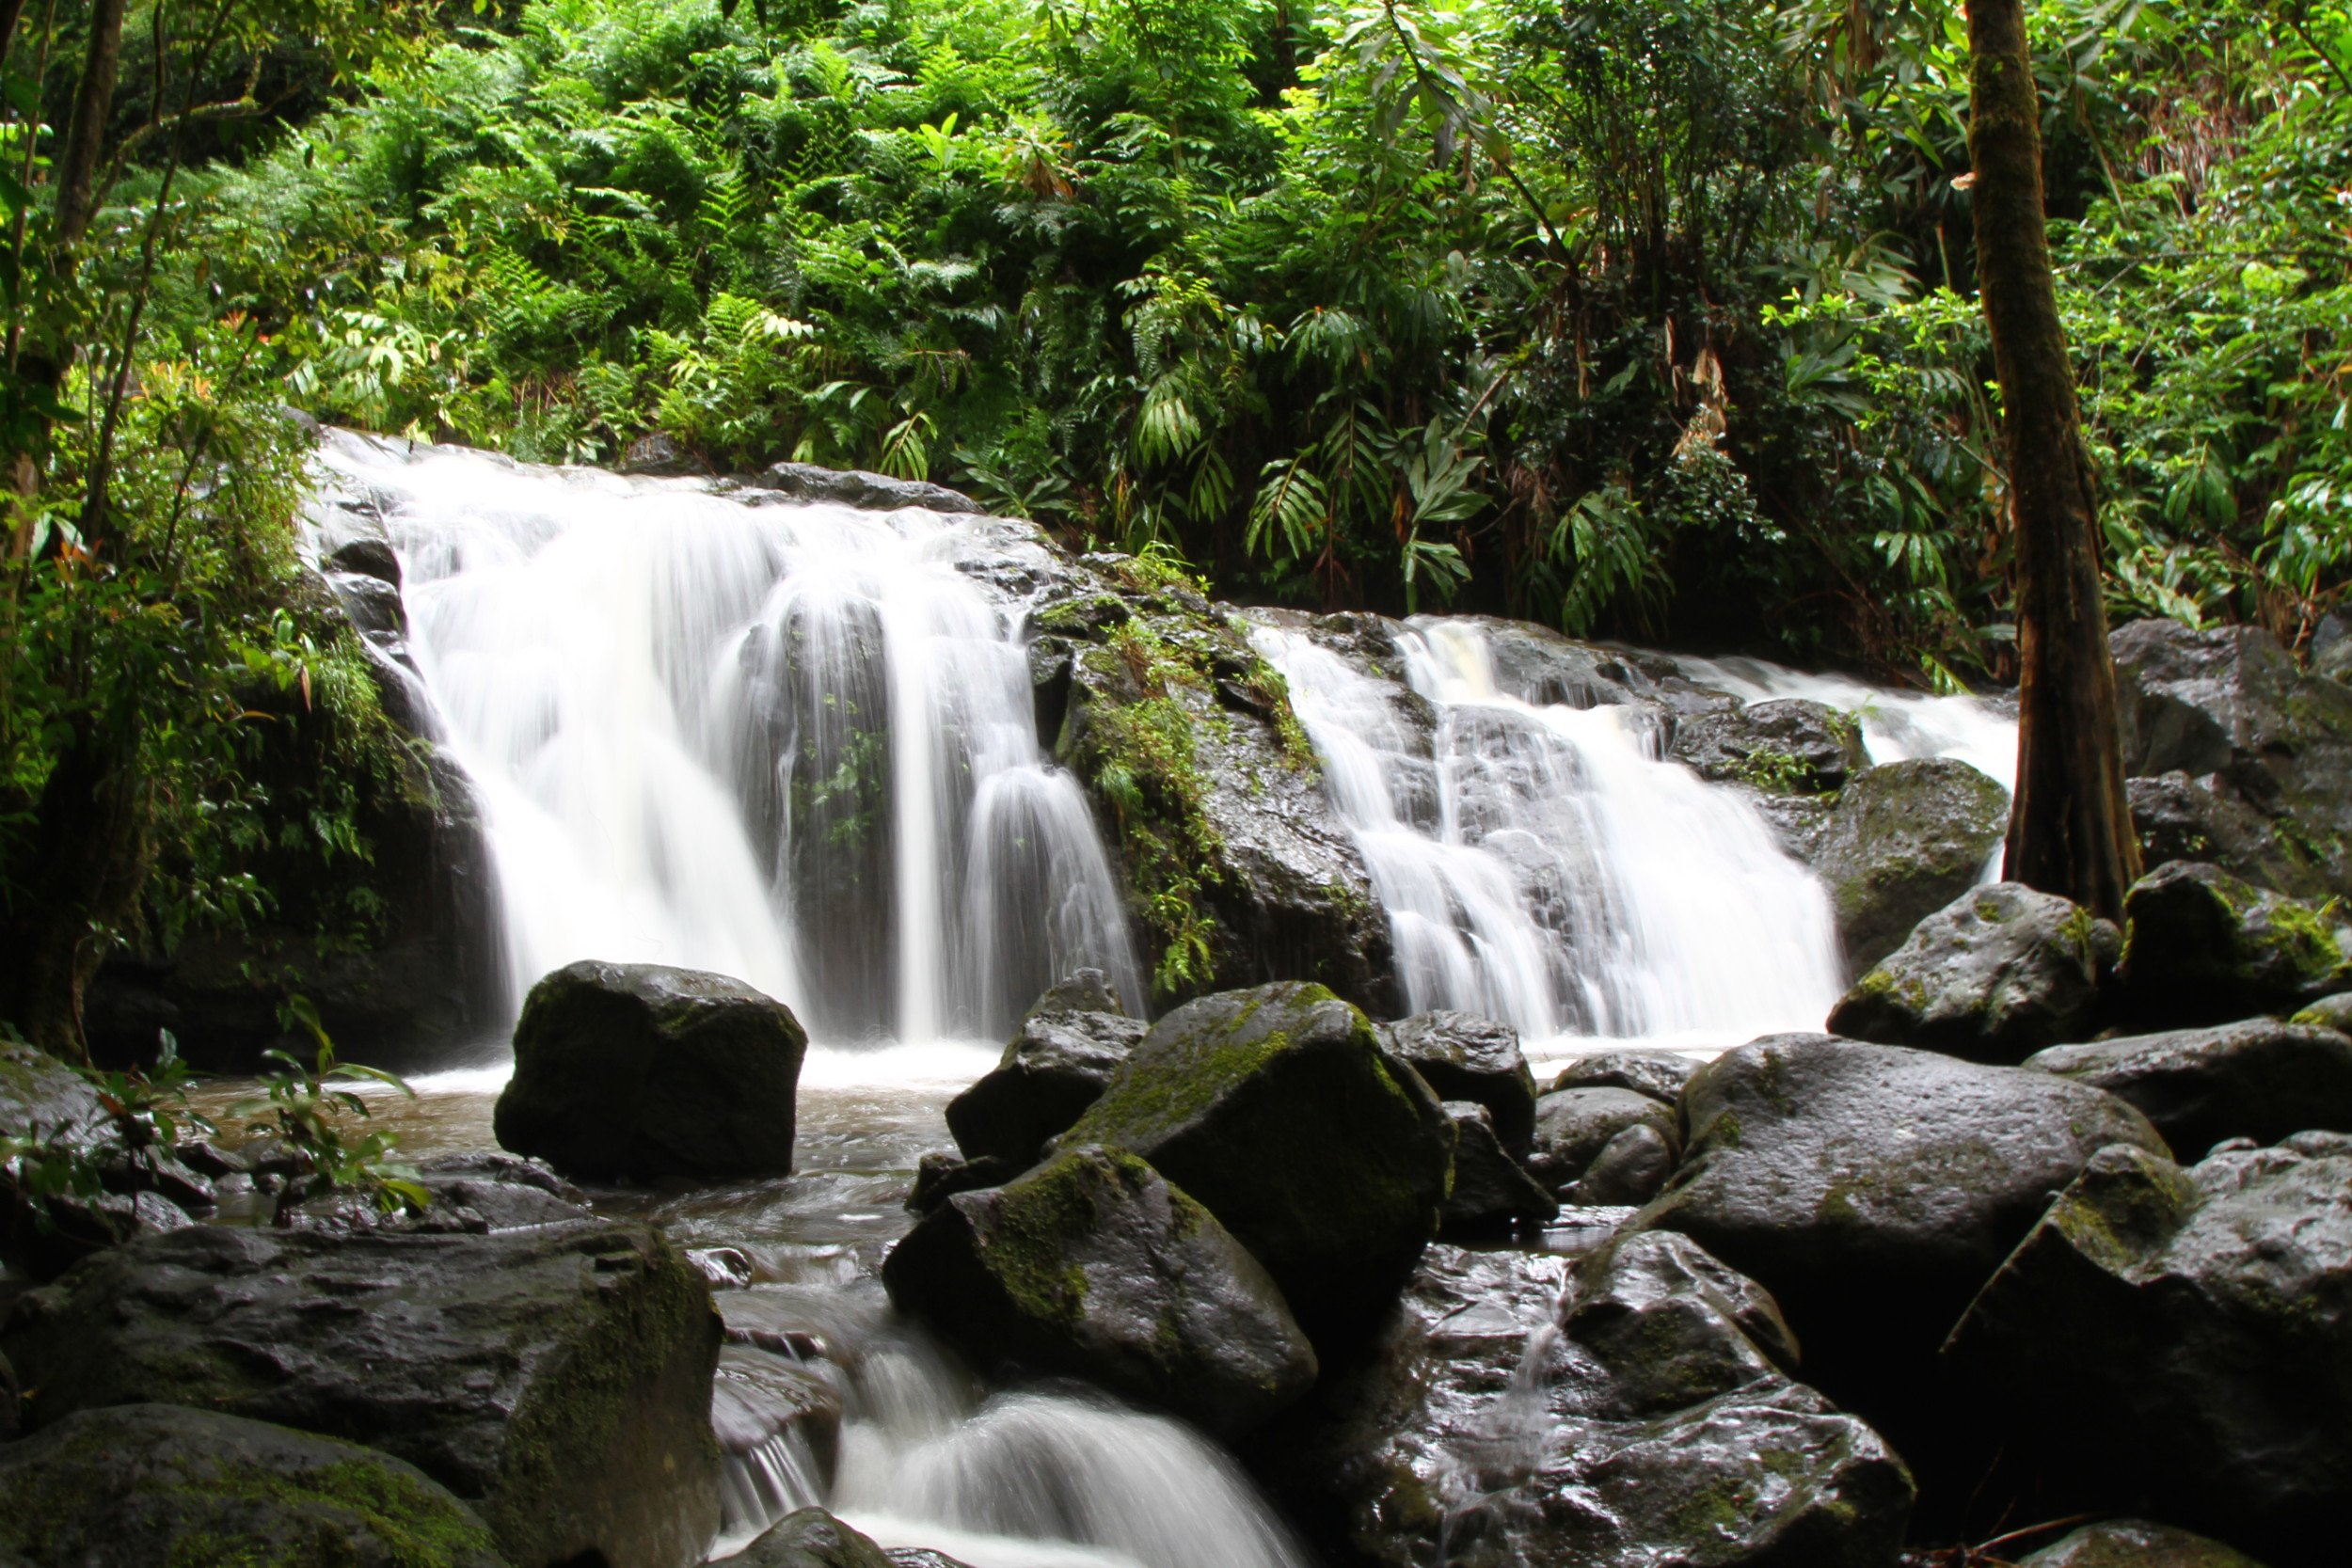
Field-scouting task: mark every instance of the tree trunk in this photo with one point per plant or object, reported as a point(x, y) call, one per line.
point(86, 133)
point(2071, 827)
point(91, 856)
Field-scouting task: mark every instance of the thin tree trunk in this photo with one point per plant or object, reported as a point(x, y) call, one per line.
point(86, 133)
point(2071, 828)
point(91, 856)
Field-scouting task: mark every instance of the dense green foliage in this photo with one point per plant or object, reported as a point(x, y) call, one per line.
point(1641, 317)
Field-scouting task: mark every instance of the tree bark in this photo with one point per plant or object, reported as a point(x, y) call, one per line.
point(2071, 826)
point(86, 132)
point(91, 856)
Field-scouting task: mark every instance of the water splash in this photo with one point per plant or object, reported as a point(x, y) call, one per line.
point(787, 742)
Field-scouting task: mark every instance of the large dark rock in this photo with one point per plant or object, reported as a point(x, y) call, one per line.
point(1492, 1194)
point(641, 1070)
point(1574, 1126)
point(810, 1538)
point(1906, 840)
point(1095, 1266)
point(1239, 869)
point(2180, 1342)
point(2136, 1544)
point(856, 487)
point(1277, 1110)
point(41, 1098)
point(150, 1485)
point(2000, 974)
point(1659, 1074)
point(2230, 704)
point(1650, 1423)
point(2261, 1080)
point(1463, 1056)
point(557, 1379)
point(2204, 947)
point(1055, 1066)
point(1779, 747)
point(2180, 818)
point(1872, 1189)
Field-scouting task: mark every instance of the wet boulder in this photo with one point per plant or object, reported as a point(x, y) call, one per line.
point(1093, 1265)
point(1907, 839)
point(557, 1379)
point(1873, 1188)
point(1574, 1126)
point(2000, 974)
point(2176, 817)
point(1659, 1074)
point(856, 487)
point(810, 1538)
point(2328, 1012)
point(1492, 1194)
point(1784, 746)
point(2181, 1342)
point(41, 1098)
point(1649, 1422)
point(1464, 1057)
point(2136, 1544)
point(2261, 1080)
point(140, 1485)
point(941, 1175)
point(1630, 1169)
point(1278, 1111)
point(2204, 947)
point(640, 1070)
point(1055, 1066)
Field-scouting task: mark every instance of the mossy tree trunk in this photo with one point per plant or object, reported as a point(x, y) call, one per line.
point(2071, 826)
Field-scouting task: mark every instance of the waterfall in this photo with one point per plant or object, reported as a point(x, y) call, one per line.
point(787, 742)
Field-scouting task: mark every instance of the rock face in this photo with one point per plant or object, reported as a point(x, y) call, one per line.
point(1056, 1067)
point(141, 1486)
point(2000, 974)
point(1238, 868)
point(557, 1379)
point(1277, 1110)
point(1907, 839)
point(2328, 1012)
point(1093, 1266)
point(1872, 1189)
point(1659, 1074)
point(2204, 947)
point(1777, 746)
point(2261, 1080)
point(1574, 1126)
point(640, 1070)
point(1649, 1422)
point(1492, 1193)
point(2177, 1340)
point(856, 487)
point(2136, 1544)
point(810, 1538)
point(2180, 818)
point(2232, 705)
point(1463, 1056)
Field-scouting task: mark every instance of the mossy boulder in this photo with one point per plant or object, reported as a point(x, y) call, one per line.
point(2261, 1080)
point(1492, 1194)
point(1632, 1409)
point(2136, 1544)
point(809, 1537)
point(1277, 1110)
point(2176, 817)
point(1872, 1189)
point(1093, 1265)
point(1659, 1074)
point(1464, 1057)
point(2180, 1341)
point(1574, 1126)
point(2001, 972)
point(2201, 946)
point(1053, 1068)
point(1239, 871)
point(643, 1071)
point(557, 1379)
point(1787, 746)
point(1907, 838)
point(163, 1486)
point(2328, 1012)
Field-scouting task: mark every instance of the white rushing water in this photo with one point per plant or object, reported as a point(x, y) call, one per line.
point(786, 742)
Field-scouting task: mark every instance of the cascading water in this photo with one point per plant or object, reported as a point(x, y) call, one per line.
point(787, 742)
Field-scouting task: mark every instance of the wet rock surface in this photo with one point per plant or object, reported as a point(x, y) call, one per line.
point(1277, 1110)
point(810, 1538)
point(142, 1485)
point(1872, 1189)
point(1492, 1194)
point(2261, 1080)
point(2136, 1544)
point(2175, 1340)
point(2001, 972)
point(641, 1070)
point(1641, 1418)
point(1574, 1126)
point(1784, 746)
point(1905, 840)
point(1659, 1074)
point(855, 487)
point(557, 1379)
point(1095, 1266)
point(1464, 1057)
point(1055, 1066)
point(2202, 947)
point(2176, 817)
